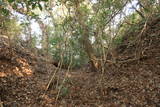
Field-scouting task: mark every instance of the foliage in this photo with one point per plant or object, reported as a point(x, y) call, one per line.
point(65, 33)
point(70, 50)
point(10, 27)
point(118, 40)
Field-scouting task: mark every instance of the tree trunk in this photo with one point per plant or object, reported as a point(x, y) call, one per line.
point(85, 40)
point(45, 37)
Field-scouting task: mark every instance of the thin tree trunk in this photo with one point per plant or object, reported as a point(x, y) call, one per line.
point(86, 42)
point(45, 37)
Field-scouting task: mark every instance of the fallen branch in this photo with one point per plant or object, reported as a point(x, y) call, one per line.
point(133, 59)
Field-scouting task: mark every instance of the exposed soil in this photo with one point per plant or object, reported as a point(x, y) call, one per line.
point(132, 81)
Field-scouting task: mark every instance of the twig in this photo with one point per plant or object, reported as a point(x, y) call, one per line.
point(1, 103)
point(64, 80)
point(132, 60)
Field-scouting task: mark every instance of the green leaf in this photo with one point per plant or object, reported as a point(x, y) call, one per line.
point(33, 6)
point(14, 6)
point(5, 11)
point(40, 7)
point(10, 1)
point(44, 0)
point(1, 2)
point(64, 91)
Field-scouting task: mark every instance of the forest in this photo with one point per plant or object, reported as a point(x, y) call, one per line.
point(79, 53)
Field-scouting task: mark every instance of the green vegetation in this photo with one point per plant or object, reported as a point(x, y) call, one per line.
point(73, 31)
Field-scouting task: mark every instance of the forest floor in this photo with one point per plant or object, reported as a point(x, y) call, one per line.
point(132, 81)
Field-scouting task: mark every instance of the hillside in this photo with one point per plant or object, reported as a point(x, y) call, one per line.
point(132, 81)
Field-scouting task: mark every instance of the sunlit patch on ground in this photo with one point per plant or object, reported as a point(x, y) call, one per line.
point(21, 69)
point(2, 74)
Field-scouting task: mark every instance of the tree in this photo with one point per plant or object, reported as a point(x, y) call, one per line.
point(85, 13)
